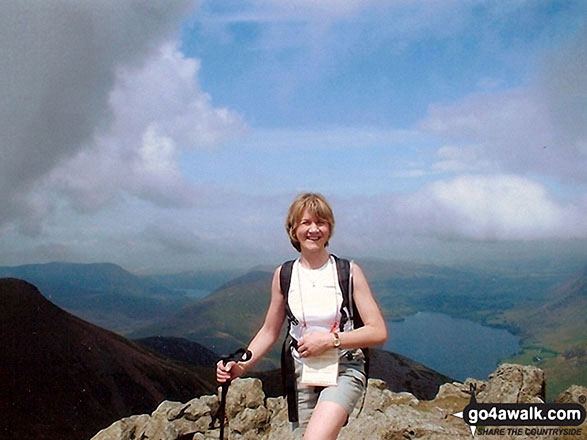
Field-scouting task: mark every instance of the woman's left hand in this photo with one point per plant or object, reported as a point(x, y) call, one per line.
point(315, 343)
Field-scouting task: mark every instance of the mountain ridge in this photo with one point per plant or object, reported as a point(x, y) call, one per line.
point(103, 293)
point(62, 377)
point(553, 333)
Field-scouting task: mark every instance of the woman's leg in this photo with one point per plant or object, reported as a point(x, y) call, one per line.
point(326, 421)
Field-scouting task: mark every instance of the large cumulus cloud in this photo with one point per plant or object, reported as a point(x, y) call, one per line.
point(60, 63)
point(488, 208)
point(157, 111)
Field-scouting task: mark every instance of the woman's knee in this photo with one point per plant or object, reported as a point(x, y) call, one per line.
point(326, 422)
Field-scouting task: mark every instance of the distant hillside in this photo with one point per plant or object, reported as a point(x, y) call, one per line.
point(554, 334)
point(197, 283)
point(109, 296)
point(104, 294)
point(399, 372)
point(230, 316)
point(480, 295)
point(64, 378)
point(568, 303)
point(182, 350)
point(223, 321)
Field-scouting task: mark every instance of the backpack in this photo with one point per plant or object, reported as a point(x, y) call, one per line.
point(348, 312)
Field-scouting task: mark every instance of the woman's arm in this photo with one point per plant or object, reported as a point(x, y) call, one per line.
point(374, 331)
point(265, 337)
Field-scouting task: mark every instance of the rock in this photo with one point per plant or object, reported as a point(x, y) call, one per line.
point(385, 415)
point(574, 394)
point(244, 393)
point(125, 429)
point(512, 383)
point(390, 416)
point(171, 420)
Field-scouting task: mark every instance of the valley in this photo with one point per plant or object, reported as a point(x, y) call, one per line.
point(545, 308)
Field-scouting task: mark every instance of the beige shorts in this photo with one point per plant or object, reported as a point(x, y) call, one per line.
point(347, 392)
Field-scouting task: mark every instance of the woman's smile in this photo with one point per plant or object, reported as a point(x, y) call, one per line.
point(312, 231)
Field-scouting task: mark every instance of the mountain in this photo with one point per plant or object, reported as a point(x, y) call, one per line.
point(64, 378)
point(478, 294)
point(569, 303)
point(109, 296)
point(399, 372)
point(195, 284)
point(182, 350)
point(554, 333)
point(224, 320)
point(229, 317)
point(104, 294)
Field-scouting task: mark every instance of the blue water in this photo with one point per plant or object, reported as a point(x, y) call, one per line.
point(458, 348)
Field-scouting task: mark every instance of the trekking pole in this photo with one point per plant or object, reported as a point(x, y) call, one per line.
point(240, 355)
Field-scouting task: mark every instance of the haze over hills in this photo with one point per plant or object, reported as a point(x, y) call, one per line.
point(104, 294)
point(554, 333)
point(226, 319)
point(109, 296)
point(223, 321)
point(195, 284)
point(64, 378)
point(229, 316)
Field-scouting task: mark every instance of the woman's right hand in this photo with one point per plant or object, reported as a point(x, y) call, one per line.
point(230, 371)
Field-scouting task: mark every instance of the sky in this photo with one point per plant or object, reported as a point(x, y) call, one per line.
point(168, 136)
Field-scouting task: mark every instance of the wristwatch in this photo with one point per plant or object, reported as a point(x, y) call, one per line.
point(336, 341)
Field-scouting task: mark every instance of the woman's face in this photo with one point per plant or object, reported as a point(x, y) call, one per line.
point(312, 232)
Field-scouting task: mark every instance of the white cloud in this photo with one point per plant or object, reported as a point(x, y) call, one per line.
point(488, 207)
point(59, 65)
point(157, 110)
point(459, 159)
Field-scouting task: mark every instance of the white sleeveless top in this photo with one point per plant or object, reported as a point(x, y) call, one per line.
point(315, 299)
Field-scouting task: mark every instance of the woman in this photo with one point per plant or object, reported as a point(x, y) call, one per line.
point(314, 299)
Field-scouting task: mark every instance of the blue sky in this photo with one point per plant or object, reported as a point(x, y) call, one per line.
point(173, 136)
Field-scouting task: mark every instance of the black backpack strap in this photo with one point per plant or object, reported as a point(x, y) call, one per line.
point(344, 272)
point(288, 378)
point(284, 282)
point(345, 281)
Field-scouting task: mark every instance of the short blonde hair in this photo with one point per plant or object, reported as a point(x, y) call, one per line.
point(317, 205)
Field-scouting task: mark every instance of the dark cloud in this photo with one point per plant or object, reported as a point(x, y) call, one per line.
point(59, 63)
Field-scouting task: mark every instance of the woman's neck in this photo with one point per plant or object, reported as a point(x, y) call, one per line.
point(314, 260)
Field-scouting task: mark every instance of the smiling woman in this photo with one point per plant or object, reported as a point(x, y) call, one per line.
point(332, 316)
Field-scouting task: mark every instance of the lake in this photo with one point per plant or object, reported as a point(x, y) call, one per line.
point(456, 347)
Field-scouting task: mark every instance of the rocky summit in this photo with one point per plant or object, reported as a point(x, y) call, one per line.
point(385, 415)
